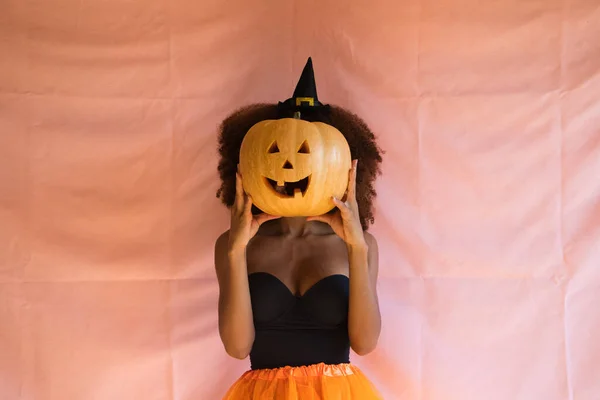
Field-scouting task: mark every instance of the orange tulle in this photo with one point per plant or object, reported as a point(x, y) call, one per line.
point(313, 382)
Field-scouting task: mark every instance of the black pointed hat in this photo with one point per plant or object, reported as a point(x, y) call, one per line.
point(305, 94)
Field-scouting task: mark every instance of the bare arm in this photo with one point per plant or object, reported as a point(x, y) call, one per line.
point(364, 318)
point(236, 326)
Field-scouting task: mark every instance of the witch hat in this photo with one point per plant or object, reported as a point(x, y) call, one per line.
point(305, 94)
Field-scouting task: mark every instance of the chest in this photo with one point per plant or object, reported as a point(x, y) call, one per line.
point(298, 262)
point(324, 304)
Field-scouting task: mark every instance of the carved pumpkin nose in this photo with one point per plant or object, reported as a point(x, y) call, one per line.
point(287, 165)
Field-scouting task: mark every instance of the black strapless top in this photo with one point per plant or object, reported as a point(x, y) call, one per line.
point(299, 330)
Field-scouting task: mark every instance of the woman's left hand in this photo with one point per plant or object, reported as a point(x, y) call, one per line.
point(345, 221)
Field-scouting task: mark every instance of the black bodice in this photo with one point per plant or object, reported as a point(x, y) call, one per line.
point(299, 330)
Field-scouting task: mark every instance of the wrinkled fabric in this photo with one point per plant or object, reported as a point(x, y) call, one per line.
point(312, 382)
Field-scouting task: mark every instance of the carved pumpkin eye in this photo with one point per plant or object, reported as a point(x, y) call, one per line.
point(274, 148)
point(304, 148)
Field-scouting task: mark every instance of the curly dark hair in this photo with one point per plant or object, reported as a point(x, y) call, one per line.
point(361, 140)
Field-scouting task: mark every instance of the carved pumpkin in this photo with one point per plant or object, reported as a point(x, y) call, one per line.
point(291, 167)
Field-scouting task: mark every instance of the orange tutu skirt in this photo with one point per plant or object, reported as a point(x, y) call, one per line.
point(313, 382)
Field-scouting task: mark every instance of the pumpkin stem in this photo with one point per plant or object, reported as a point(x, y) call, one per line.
point(297, 115)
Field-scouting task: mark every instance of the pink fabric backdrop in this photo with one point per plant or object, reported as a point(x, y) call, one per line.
point(488, 214)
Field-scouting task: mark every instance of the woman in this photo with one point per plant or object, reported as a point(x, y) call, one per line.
point(296, 294)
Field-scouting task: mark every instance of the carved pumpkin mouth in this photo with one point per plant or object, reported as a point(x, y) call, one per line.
point(287, 189)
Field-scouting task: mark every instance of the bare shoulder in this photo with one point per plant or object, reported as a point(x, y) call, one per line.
point(371, 241)
point(221, 245)
point(222, 241)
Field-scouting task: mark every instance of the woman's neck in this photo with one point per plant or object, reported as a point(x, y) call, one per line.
point(295, 227)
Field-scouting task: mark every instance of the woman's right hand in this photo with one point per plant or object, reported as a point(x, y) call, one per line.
point(244, 225)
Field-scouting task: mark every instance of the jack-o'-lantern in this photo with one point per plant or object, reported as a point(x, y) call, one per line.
point(292, 167)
